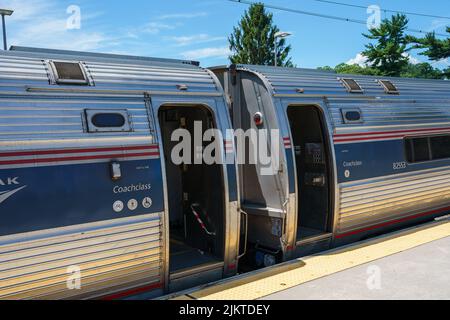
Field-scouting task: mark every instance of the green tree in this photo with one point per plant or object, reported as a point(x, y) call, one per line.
point(253, 40)
point(345, 68)
point(355, 69)
point(389, 55)
point(435, 49)
point(422, 70)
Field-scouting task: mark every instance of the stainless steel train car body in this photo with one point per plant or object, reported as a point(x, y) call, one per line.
point(85, 210)
point(372, 185)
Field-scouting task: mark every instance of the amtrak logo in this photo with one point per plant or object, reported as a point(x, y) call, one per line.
point(9, 181)
point(4, 195)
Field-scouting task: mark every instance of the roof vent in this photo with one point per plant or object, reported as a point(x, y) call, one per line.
point(69, 72)
point(351, 85)
point(388, 87)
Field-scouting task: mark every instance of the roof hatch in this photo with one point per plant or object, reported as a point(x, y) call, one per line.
point(388, 87)
point(351, 85)
point(67, 72)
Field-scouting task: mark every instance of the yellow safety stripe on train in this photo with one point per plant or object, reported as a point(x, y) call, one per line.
point(314, 267)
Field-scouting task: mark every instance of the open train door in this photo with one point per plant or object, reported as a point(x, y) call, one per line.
point(199, 223)
point(313, 177)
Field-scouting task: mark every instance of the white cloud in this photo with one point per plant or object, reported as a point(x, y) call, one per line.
point(183, 15)
point(359, 60)
point(42, 23)
point(441, 64)
point(156, 27)
point(412, 59)
point(26, 9)
point(220, 52)
point(195, 39)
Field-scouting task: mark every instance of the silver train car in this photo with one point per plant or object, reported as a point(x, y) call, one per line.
point(92, 206)
point(360, 156)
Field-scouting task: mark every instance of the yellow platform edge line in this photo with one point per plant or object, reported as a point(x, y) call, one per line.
point(303, 270)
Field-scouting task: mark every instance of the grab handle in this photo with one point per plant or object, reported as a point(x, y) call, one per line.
point(245, 214)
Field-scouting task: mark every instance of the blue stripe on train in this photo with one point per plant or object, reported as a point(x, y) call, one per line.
point(291, 171)
point(58, 196)
point(358, 161)
point(232, 182)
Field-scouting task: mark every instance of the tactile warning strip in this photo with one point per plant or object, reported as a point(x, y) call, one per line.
point(299, 271)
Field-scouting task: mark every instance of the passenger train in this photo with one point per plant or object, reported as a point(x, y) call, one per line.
point(94, 207)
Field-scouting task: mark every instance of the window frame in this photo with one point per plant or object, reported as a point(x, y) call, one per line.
point(92, 128)
point(58, 80)
point(344, 111)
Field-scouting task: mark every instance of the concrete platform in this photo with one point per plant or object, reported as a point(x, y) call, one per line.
point(419, 273)
point(408, 264)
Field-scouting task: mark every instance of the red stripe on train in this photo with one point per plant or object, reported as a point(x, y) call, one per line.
point(363, 136)
point(369, 138)
point(68, 151)
point(79, 158)
point(389, 132)
point(385, 224)
point(133, 292)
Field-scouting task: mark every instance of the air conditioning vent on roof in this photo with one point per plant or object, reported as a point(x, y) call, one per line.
point(388, 87)
point(69, 73)
point(351, 85)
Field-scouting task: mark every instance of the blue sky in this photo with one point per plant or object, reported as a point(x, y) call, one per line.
point(198, 29)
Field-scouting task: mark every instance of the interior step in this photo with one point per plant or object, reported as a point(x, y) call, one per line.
point(315, 237)
point(191, 277)
point(313, 245)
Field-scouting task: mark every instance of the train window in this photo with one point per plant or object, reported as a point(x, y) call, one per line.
point(351, 85)
point(69, 73)
point(421, 149)
point(427, 148)
point(107, 121)
point(388, 87)
point(351, 115)
point(440, 147)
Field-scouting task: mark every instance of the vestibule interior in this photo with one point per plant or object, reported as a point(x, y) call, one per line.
point(195, 193)
point(313, 172)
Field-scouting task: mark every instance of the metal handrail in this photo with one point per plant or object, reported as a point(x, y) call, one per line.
point(245, 235)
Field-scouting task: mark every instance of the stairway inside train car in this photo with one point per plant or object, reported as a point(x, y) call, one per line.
point(195, 194)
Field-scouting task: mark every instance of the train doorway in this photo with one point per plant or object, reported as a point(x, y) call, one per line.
point(195, 200)
point(312, 160)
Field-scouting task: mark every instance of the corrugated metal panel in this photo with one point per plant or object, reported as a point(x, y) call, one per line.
point(421, 103)
point(380, 115)
point(288, 80)
point(62, 117)
point(369, 202)
point(120, 252)
point(109, 72)
point(149, 78)
point(29, 109)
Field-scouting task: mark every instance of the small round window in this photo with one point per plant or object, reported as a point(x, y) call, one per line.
point(352, 116)
point(108, 120)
